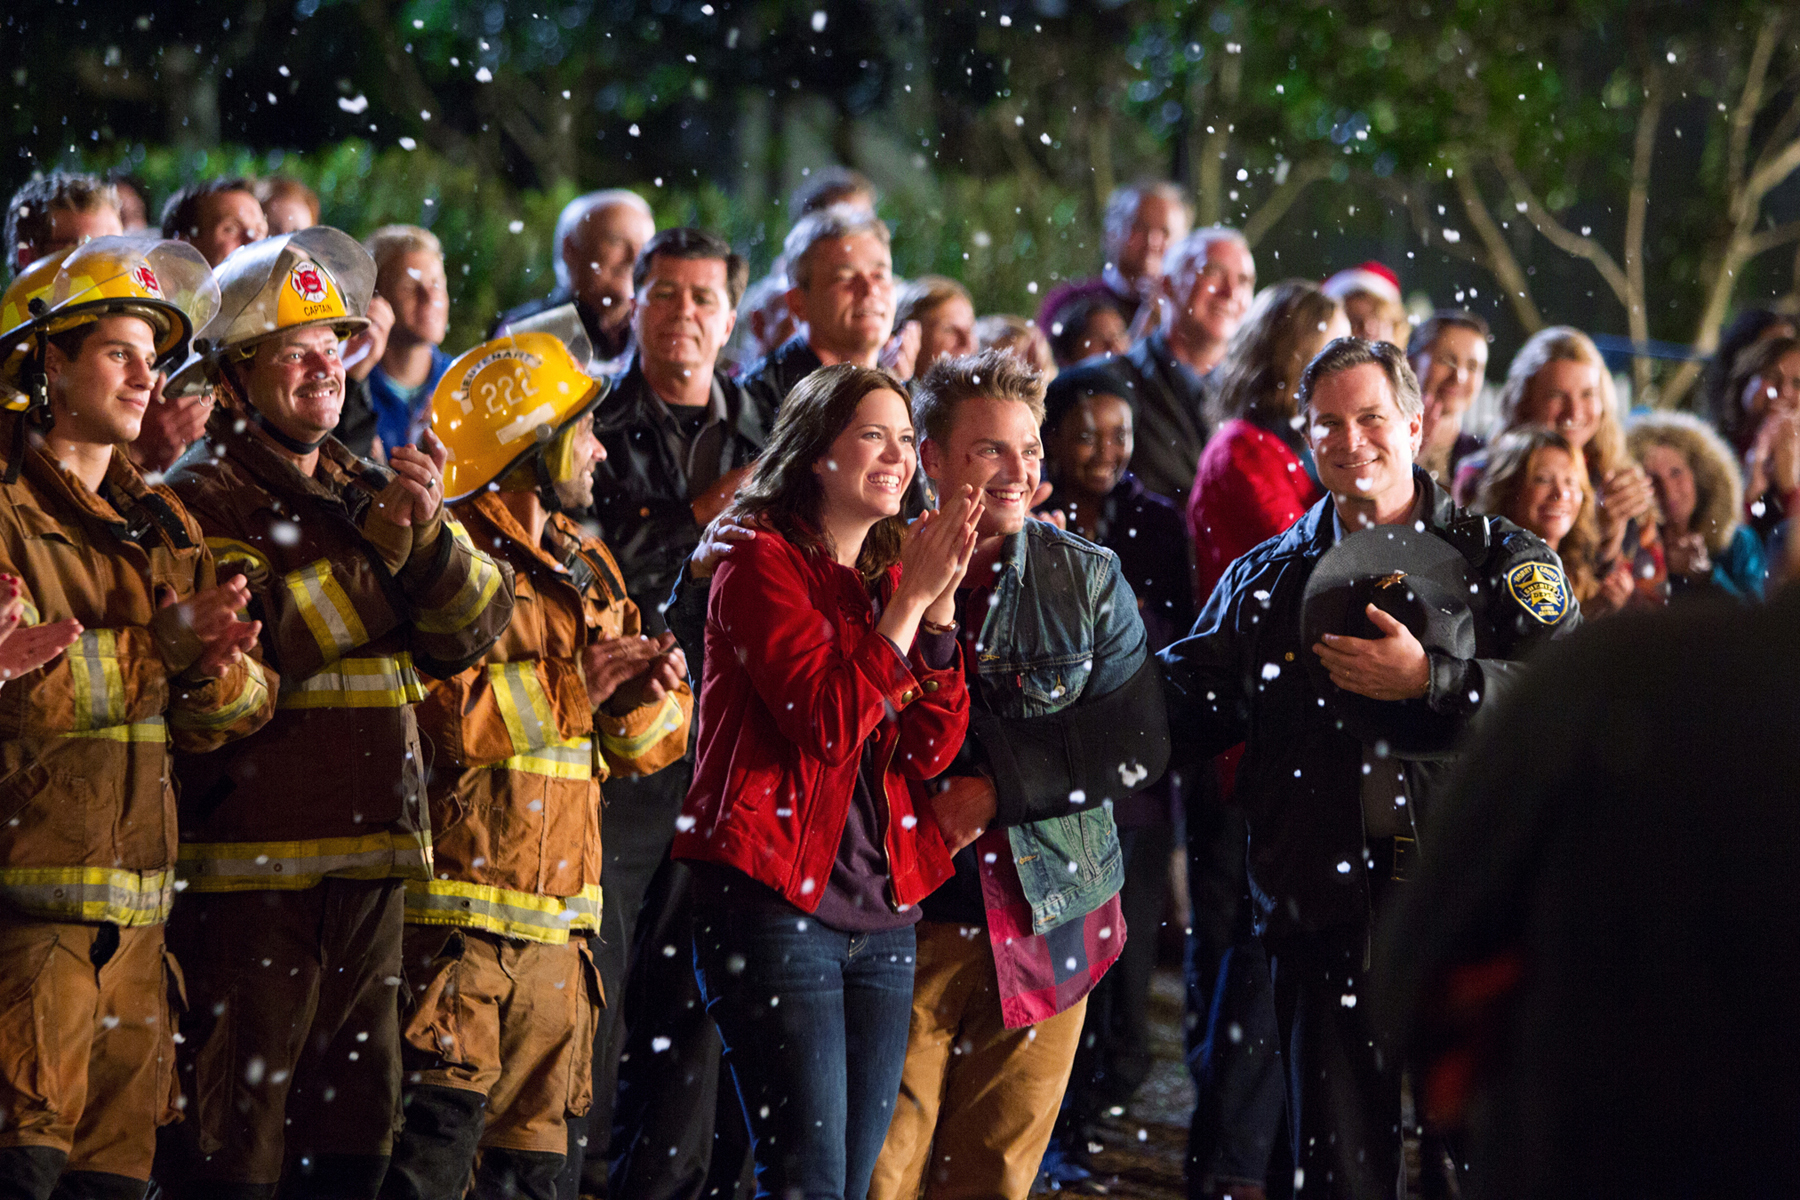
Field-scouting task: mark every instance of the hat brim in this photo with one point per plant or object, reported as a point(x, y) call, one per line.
point(1332, 603)
point(173, 330)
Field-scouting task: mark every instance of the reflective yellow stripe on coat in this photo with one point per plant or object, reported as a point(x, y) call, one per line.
point(668, 720)
point(326, 609)
point(524, 706)
point(89, 894)
point(502, 911)
point(98, 685)
point(150, 729)
point(573, 759)
point(386, 681)
point(255, 691)
point(482, 582)
point(284, 866)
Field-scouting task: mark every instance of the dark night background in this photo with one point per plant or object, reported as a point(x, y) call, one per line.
point(1483, 150)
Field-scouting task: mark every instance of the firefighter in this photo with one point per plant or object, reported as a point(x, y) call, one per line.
point(502, 991)
point(115, 570)
point(296, 843)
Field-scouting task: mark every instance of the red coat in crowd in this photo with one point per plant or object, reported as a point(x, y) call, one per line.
point(796, 681)
point(1250, 486)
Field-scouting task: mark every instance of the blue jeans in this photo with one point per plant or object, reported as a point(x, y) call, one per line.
point(814, 1023)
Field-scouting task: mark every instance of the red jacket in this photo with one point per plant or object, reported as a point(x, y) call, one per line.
point(1250, 486)
point(796, 680)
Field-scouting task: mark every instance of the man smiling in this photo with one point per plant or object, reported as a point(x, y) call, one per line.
point(1206, 290)
point(1010, 948)
point(1334, 814)
point(842, 275)
point(99, 561)
point(679, 434)
point(296, 843)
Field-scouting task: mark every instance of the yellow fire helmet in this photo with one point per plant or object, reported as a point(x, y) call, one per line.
point(505, 400)
point(317, 276)
point(167, 283)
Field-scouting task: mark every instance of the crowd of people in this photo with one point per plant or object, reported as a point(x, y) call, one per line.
point(930, 662)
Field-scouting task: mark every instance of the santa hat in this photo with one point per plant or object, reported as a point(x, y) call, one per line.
point(1371, 277)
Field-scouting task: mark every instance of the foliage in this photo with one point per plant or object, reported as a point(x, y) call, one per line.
point(1457, 138)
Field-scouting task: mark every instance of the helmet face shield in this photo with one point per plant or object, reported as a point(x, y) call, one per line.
point(504, 400)
point(317, 276)
point(166, 283)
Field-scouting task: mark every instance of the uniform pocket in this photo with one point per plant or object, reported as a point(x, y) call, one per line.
point(28, 1042)
point(589, 1001)
point(1048, 688)
point(434, 1024)
point(168, 1082)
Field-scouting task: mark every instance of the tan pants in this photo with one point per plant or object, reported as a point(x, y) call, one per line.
point(511, 1020)
point(978, 1101)
point(87, 1051)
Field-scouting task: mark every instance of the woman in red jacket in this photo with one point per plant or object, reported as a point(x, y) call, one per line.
point(833, 688)
point(1255, 475)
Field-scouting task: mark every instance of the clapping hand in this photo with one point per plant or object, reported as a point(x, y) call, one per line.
point(938, 548)
point(27, 649)
point(213, 616)
point(418, 486)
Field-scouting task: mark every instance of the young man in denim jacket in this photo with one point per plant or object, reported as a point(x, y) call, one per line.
point(1066, 718)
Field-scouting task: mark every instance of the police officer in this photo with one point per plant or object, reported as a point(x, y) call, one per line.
point(116, 570)
point(1334, 803)
point(503, 990)
point(296, 843)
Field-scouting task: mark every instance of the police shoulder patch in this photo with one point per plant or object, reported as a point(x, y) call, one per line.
point(1541, 589)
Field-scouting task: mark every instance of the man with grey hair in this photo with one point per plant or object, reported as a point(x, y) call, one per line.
point(841, 294)
point(1349, 737)
point(598, 239)
point(1205, 291)
point(1142, 221)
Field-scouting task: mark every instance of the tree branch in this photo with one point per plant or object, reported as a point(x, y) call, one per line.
point(1750, 103)
point(1636, 217)
point(1500, 257)
point(1771, 171)
point(1560, 236)
point(1300, 175)
point(415, 93)
point(1769, 239)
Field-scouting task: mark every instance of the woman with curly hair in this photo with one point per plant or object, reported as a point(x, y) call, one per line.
point(1695, 474)
point(1535, 478)
point(1558, 380)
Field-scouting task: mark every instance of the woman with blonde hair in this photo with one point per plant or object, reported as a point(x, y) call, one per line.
point(1255, 476)
point(1536, 479)
point(1558, 380)
point(1701, 501)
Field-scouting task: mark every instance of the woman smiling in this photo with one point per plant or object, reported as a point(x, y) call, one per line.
point(833, 687)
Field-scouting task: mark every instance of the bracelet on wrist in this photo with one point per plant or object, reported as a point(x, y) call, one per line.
point(934, 628)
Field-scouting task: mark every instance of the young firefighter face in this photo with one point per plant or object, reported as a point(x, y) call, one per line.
point(100, 393)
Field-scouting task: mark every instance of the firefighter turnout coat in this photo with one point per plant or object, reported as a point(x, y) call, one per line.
point(518, 753)
point(334, 785)
point(87, 807)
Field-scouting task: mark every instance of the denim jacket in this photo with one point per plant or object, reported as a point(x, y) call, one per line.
point(1062, 624)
